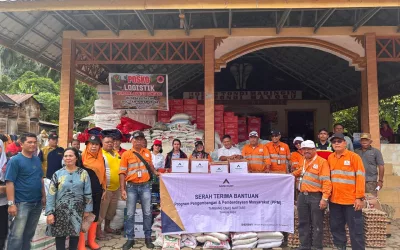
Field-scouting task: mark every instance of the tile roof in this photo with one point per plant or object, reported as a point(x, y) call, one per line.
point(19, 98)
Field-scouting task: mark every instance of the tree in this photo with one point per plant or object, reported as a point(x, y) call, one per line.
point(51, 103)
point(349, 119)
point(31, 83)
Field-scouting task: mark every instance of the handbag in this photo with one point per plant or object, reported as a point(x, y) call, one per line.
point(86, 222)
point(145, 163)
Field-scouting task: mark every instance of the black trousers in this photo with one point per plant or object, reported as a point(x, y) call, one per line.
point(3, 225)
point(96, 205)
point(73, 243)
point(310, 215)
point(339, 216)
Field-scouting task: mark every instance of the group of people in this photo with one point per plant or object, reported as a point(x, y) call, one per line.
point(84, 187)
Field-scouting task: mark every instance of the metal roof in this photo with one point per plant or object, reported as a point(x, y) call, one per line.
point(38, 35)
point(4, 99)
point(19, 98)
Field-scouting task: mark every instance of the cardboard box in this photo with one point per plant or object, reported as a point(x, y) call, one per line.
point(199, 166)
point(192, 113)
point(200, 119)
point(229, 125)
point(219, 108)
point(231, 119)
point(175, 102)
point(164, 120)
point(218, 119)
point(177, 108)
point(238, 167)
point(180, 165)
point(254, 121)
point(190, 102)
point(189, 107)
point(242, 120)
point(219, 167)
point(219, 113)
point(200, 107)
point(229, 113)
point(231, 131)
point(242, 129)
point(163, 114)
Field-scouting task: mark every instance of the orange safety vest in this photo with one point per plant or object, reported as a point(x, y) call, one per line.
point(280, 156)
point(257, 158)
point(296, 159)
point(315, 176)
point(347, 176)
point(131, 165)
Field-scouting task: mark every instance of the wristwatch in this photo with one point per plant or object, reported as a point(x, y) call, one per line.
point(10, 203)
point(361, 199)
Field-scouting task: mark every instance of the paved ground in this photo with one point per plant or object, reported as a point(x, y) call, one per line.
point(116, 242)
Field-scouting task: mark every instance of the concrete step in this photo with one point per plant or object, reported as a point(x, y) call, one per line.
point(388, 169)
point(389, 195)
point(391, 181)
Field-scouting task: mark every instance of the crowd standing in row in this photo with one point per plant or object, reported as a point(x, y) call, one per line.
point(91, 182)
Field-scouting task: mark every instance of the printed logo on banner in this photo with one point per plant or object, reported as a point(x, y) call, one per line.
point(226, 181)
point(226, 184)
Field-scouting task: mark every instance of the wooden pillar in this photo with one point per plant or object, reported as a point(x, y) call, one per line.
point(370, 91)
point(209, 60)
point(363, 108)
point(67, 92)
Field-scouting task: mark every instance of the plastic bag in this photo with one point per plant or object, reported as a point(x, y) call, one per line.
point(251, 245)
point(171, 243)
point(242, 236)
point(86, 222)
point(188, 240)
point(270, 235)
point(128, 125)
point(211, 245)
point(244, 241)
point(205, 238)
point(270, 245)
point(219, 236)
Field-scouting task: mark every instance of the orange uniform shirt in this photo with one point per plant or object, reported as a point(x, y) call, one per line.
point(131, 165)
point(296, 160)
point(279, 154)
point(316, 177)
point(257, 158)
point(347, 176)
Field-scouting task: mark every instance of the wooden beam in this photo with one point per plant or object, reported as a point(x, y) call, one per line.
point(236, 32)
point(67, 92)
point(209, 88)
point(51, 5)
point(372, 89)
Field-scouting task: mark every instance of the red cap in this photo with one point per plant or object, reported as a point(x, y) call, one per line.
point(157, 142)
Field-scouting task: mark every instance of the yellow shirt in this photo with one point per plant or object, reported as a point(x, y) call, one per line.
point(45, 151)
point(112, 169)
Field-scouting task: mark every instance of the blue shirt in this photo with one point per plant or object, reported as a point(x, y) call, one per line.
point(26, 174)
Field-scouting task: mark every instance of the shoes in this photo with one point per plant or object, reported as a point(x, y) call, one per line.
point(148, 243)
point(92, 237)
point(128, 245)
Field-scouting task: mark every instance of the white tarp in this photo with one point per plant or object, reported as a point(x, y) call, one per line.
point(196, 203)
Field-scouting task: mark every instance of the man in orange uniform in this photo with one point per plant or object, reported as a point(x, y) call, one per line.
point(348, 192)
point(315, 188)
point(134, 178)
point(296, 158)
point(256, 155)
point(279, 152)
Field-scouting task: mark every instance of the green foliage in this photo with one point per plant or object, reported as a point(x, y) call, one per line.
point(349, 119)
point(389, 110)
point(19, 74)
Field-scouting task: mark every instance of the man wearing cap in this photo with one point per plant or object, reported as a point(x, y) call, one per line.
point(51, 156)
point(228, 152)
point(296, 158)
point(315, 188)
point(256, 155)
point(117, 145)
point(135, 177)
point(348, 193)
point(108, 207)
point(372, 160)
point(338, 128)
point(279, 152)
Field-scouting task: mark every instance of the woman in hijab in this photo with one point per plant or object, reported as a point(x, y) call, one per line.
point(69, 200)
point(3, 197)
point(93, 163)
point(199, 152)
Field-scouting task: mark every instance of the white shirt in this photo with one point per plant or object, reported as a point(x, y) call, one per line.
point(158, 160)
point(228, 152)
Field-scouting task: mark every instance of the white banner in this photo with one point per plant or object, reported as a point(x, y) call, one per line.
point(196, 203)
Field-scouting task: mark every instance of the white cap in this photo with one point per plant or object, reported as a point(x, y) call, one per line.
point(298, 138)
point(308, 144)
point(253, 133)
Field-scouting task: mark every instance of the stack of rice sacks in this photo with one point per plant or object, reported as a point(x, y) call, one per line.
point(117, 222)
point(156, 228)
point(244, 240)
point(269, 239)
point(214, 240)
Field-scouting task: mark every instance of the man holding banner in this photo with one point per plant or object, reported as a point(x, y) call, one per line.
point(315, 188)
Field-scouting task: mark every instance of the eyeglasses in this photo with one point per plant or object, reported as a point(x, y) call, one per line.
point(336, 141)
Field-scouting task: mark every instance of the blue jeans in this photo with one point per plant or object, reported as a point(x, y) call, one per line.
point(23, 227)
point(135, 192)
